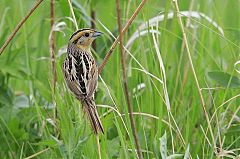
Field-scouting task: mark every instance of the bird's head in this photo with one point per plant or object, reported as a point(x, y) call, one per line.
point(83, 38)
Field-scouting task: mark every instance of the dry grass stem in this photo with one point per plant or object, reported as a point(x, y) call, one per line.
point(99, 147)
point(181, 55)
point(19, 26)
point(194, 73)
point(38, 153)
point(125, 83)
point(227, 101)
point(111, 109)
point(123, 31)
point(115, 106)
point(144, 114)
point(52, 43)
point(52, 56)
point(93, 26)
point(73, 15)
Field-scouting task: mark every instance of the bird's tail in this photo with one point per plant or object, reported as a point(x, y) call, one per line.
point(89, 107)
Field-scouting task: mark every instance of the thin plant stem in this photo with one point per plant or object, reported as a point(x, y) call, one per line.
point(52, 56)
point(181, 57)
point(193, 71)
point(52, 44)
point(227, 101)
point(19, 26)
point(130, 109)
point(99, 147)
point(73, 15)
point(93, 25)
point(117, 39)
point(38, 153)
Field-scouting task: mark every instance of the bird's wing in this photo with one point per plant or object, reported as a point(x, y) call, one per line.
point(80, 72)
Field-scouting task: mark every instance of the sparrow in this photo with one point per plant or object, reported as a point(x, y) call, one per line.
point(81, 73)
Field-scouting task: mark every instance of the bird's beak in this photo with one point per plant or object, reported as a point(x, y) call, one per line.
point(97, 33)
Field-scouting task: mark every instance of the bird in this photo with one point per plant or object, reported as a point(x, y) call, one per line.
point(81, 73)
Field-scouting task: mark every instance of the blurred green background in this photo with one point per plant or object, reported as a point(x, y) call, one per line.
point(30, 126)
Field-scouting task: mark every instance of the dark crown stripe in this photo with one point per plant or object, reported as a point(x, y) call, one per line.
point(78, 31)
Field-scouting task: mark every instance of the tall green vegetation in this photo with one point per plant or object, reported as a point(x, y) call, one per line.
point(38, 121)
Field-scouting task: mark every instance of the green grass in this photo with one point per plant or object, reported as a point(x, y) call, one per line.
point(27, 101)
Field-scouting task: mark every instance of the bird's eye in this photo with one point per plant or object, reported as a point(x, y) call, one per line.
point(86, 34)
